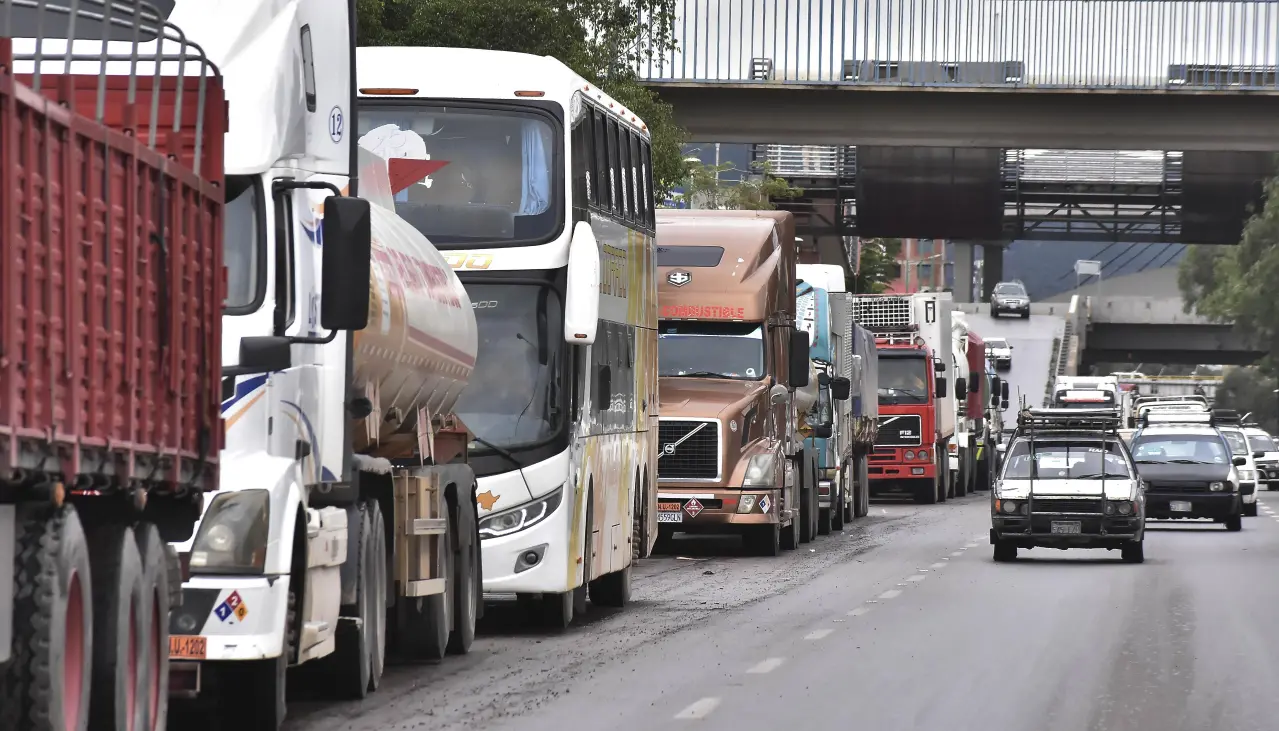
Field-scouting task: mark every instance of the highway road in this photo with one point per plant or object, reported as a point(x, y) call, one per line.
point(902, 623)
point(1032, 341)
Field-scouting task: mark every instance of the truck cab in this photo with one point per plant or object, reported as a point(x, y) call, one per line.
point(731, 365)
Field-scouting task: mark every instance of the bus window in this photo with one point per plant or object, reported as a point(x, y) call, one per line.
point(614, 180)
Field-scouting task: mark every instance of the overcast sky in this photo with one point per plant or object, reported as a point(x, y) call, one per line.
point(1094, 42)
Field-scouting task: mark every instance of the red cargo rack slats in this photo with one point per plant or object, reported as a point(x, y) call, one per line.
point(111, 282)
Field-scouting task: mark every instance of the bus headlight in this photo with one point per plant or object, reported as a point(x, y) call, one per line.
point(759, 471)
point(233, 535)
point(517, 519)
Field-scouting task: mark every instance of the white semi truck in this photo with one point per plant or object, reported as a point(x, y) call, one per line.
point(347, 339)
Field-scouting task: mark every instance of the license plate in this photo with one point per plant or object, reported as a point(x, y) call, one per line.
point(675, 517)
point(1178, 506)
point(187, 647)
point(669, 507)
point(1066, 527)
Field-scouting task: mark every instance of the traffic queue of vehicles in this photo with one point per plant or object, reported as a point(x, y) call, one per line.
point(434, 377)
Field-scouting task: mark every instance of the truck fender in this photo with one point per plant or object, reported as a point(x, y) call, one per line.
point(283, 478)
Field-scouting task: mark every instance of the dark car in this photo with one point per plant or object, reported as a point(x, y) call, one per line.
point(1010, 298)
point(1189, 472)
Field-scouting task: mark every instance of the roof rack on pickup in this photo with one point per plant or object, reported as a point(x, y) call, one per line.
point(1178, 417)
point(1186, 398)
point(1040, 421)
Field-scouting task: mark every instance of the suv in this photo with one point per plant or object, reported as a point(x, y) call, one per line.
point(1010, 297)
point(1068, 482)
point(1248, 470)
point(1188, 469)
point(1266, 454)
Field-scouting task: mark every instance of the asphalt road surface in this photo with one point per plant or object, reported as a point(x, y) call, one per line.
point(902, 623)
point(1032, 341)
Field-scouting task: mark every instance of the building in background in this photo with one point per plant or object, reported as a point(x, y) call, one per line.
point(922, 266)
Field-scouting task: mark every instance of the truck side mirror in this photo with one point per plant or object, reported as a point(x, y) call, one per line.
point(1003, 405)
point(961, 386)
point(348, 258)
point(939, 367)
point(582, 292)
point(1003, 392)
point(264, 354)
point(1258, 455)
point(940, 386)
point(840, 388)
point(823, 432)
point(974, 386)
point(1239, 461)
point(798, 359)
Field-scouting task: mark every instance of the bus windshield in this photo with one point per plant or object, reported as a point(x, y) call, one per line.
point(499, 182)
point(711, 350)
point(519, 363)
point(903, 380)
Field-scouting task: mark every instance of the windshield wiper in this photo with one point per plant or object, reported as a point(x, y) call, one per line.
point(908, 391)
point(501, 451)
point(1098, 476)
point(703, 374)
point(1184, 460)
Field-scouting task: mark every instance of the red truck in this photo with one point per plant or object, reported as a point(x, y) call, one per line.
point(111, 211)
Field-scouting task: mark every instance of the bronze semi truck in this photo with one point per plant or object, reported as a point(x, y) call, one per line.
point(733, 373)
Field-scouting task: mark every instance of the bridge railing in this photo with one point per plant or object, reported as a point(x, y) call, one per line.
point(1078, 44)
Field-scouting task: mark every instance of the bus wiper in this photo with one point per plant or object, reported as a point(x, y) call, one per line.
point(501, 451)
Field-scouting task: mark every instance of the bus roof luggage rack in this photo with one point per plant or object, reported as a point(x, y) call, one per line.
point(1177, 417)
point(1039, 421)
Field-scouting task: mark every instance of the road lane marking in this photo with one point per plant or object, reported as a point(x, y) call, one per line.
point(859, 611)
point(818, 634)
point(767, 666)
point(938, 565)
point(916, 577)
point(891, 594)
point(700, 709)
point(971, 545)
point(957, 553)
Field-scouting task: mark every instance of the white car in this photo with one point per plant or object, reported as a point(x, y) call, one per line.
point(1247, 471)
point(1266, 454)
point(999, 352)
point(1068, 481)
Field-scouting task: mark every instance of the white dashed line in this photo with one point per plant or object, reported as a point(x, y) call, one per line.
point(700, 709)
point(916, 577)
point(767, 666)
point(957, 553)
point(859, 611)
point(971, 545)
point(938, 565)
point(891, 594)
point(817, 634)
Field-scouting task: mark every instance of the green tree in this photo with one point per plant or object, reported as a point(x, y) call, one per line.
point(1233, 283)
point(878, 266)
point(705, 187)
point(603, 40)
point(1249, 390)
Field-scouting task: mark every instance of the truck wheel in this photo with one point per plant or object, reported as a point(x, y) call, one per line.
point(422, 623)
point(378, 587)
point(788, 537)
point(118, 603)
point(764, 540)
point(1249, 510)
point(838, 502)
point(926, 492)
point(826, 518)
point(155, 636)
point(467, 582)
point(1234, 523)
point(1133, 553)
point(47, 682)
point(612, 589)
point(1005, 551)
point(861, 503)
point(349, 664)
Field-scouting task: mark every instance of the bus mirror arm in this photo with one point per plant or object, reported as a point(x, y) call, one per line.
point(582, 294)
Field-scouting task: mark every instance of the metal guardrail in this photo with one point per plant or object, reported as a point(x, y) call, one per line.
point(1076, 44)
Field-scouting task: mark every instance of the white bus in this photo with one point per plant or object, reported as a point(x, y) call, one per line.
point(538, 188)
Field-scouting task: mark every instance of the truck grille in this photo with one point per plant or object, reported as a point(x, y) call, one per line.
point(696, 458)
point(900, 431)
point(1065, 505)
point(882, 313)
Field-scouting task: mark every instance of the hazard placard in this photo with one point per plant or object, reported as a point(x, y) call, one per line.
point(692, 507)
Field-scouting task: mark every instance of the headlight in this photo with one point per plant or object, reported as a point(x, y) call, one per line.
point(1216, 486)
point(517, 519)
point(233, 534)
point(1009, 507)
point(1122, 507)
point(922, 455)
point(759, 471)
point(908, 454)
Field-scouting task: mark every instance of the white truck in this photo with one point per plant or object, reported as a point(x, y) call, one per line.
point(962, 450)
point(347, 339)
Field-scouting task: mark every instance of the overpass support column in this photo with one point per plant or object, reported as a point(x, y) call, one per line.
point(992, 269)
point(964, 252)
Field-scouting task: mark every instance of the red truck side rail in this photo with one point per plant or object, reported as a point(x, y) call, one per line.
point(111, 279)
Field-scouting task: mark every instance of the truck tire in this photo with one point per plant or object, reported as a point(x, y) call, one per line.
point(788, 537)
point(350, 664)
point(382, 559)
point(422, 623)
point(252, 693)
point(764, 540)
point(838, 500)
point(1133, 553)
point(1234, 523)
point(48, 681)
point(1005, 551)
point(154, 695)
point(861, 503)
point(118, 602)
point(926, 491)
point(467, 588)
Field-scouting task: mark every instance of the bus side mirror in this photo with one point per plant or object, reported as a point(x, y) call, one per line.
point(582, 293)
point(940, 386)
point(840, 388)
point(346, 263)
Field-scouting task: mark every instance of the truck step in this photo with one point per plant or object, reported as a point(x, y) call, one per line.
point(430, 526)
point(425, 587)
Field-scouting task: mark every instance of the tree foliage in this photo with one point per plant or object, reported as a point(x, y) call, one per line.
point(878, 266)
point(705, 186)
point(1234, 283)
point(603, 40)
point(1249, 390)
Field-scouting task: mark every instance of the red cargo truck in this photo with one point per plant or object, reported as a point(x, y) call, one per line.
point(112, 284)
